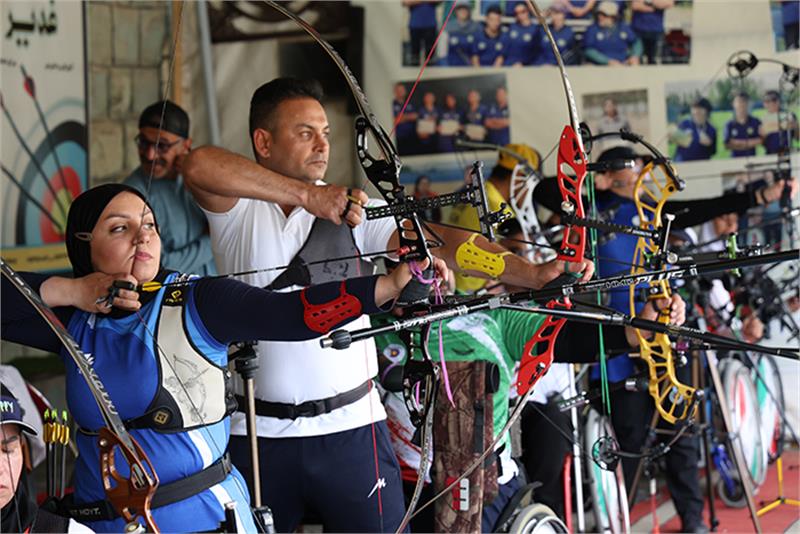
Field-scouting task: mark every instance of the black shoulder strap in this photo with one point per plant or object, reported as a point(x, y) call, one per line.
point(47, 521)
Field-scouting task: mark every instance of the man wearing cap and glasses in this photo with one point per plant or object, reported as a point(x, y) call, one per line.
point(17, 498)
point(184, 228)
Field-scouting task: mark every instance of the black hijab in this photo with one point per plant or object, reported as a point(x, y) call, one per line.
point(83, 215)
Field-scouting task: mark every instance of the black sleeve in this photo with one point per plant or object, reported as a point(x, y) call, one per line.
point(580, 342)
point(235, 311)
point(21, 323)
point(693, 212)
point(547, 194)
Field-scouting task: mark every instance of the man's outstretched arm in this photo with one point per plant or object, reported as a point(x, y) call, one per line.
point(218, 178)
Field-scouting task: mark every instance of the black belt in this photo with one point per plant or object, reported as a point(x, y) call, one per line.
point(313, 408)
point(166, 494)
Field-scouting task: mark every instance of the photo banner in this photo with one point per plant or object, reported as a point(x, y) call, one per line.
point(44, 136)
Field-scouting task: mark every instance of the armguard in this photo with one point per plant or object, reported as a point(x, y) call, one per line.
point(470, 257)
point(322, 317)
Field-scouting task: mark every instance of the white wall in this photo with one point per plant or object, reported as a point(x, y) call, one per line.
point(537, 98)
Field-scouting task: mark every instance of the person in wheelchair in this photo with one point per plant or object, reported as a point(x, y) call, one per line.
point(496, 338)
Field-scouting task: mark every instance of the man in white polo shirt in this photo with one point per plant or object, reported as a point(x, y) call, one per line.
point(322, 435)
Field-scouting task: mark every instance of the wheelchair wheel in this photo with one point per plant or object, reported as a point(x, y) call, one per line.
point(537, 519)
point(609, 496)
point(734, 498)
point(740, 392)
point(771, 404)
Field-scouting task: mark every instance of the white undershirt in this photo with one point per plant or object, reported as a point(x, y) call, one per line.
point(255, 234)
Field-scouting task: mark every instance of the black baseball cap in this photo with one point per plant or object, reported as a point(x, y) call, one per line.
point(175, 119)
point(12, 413)
point(621, 152)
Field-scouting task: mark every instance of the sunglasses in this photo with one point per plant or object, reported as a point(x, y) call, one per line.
point(161, 146)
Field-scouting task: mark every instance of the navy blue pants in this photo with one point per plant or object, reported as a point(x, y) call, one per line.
point(328, 478)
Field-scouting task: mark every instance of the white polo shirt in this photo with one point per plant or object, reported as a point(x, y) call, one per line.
point(255, 234)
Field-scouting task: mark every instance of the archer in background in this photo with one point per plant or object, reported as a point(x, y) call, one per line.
point(186, 246)
point(320, 423)
point(496, 339)
point(162, 355)
point(632, 411)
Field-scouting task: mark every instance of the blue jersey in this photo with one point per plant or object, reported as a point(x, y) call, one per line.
point(404, 130)
point(790, 12)
point(425, 114)
point(696, 151)
point(487, 48)
point(565, 39)
point(476, 116)
point(446, 143)
point(737, 130)
point(779, 140)
point(619, 248)
point(522, 42)
point(611, 42)
point(579, 4)
point(648, 22)
point(123, 353)
point(511, 5)
point(460, 41)
point(498, 136)
point(422, 16)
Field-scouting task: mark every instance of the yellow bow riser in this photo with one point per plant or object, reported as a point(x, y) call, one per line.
point(673, 399)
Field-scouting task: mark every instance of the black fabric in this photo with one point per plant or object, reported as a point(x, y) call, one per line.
point(47, 521)
point(20, 511)
point(580, 342)
point(83, 215)
point(544, 449)
point(330, 476)
point(309, 408)
point(630, 415)
point(174, 120)
point(165, 494)
point(687, 212)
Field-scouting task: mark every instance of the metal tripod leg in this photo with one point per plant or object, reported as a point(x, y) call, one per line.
point(246, 365)
point(732, 439)
point(705, 425)
point(649, 441)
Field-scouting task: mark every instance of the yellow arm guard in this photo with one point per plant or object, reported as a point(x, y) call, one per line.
point(470, 257)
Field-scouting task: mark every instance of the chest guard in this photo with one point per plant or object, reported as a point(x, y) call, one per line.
point(309, 265)
point(192, 390)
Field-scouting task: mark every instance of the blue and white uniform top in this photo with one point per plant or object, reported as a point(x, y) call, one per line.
point(696, 150)
point(614, 42)
point(522, 43)
point(488, 48)
point(565, 40)
point(498, 136)
point(742, 130)
point(127, 360)
point(460, 39)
